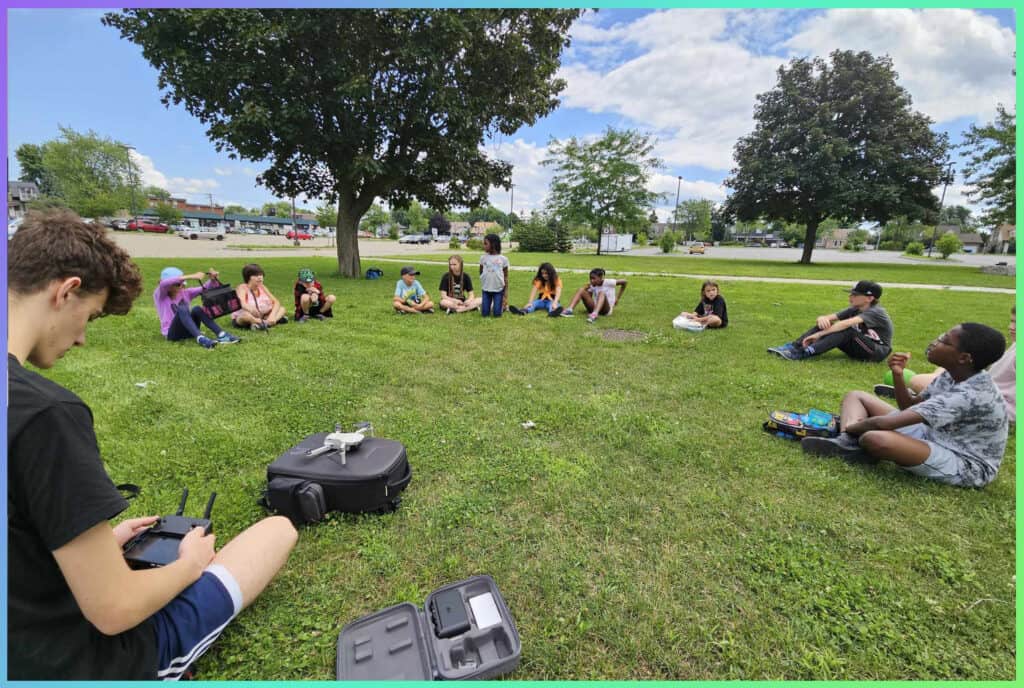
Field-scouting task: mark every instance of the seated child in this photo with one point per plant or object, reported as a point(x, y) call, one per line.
point(260, 308)
point(410, 296)
point(954, 432)
point(177, 320)
point(710, 310)
point(862, 331)
point(1003, 372)
point(545, 294)
point(598, 296)
point(457, 289)
point(310, 299)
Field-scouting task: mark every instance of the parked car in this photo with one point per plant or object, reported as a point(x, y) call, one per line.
point(119, 224)
point(443, 237)
point(194, 233)
point(300, 234)
point(12, 226)
point(697, 248)
point(147, 226)
point(415, 239)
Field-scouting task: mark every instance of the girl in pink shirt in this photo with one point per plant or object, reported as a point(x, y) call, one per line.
point(177, 320)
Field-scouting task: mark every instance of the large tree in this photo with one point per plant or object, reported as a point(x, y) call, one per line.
point(603, 182)
point(991, 168)
point(839, 138)
point(354, 105)
point(88, 173)
point(693, 216)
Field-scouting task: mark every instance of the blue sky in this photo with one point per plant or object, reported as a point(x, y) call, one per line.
point(687, 76)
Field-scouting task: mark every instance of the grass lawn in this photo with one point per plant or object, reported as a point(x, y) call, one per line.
point(646, 528)
point(927, 273)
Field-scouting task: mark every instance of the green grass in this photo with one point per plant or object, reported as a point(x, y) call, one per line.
point(646, 528)
point(929, 273)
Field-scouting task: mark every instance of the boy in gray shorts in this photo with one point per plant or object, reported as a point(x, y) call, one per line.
point(954, 431)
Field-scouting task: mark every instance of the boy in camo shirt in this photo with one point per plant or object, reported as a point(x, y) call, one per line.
point(954, 431)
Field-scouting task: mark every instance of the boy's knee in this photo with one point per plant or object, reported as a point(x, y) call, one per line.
point(876, 442)
point(281, 530)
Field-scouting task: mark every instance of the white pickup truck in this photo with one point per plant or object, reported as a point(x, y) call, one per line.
point(191, 232)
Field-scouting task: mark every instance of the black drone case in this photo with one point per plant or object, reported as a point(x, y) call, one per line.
point(305, 487)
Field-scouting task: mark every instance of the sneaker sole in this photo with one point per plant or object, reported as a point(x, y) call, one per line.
point(886, 391)
point(822, 446)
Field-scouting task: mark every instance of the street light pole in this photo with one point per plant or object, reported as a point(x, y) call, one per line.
point(675, 213)
point(511, 200)
point(948, 165)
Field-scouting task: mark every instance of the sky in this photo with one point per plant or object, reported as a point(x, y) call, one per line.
point(689, 77)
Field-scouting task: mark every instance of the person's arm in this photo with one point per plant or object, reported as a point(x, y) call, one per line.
point(533, 295)
point(825, 321)
point(837, 326)
point(558, 292)
point(890, 421)
point(904, 397)
point(621, 284)
point(504, 294)
point(115, 598)
point(273, 299)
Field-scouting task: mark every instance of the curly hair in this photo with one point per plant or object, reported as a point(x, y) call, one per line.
point(57, 244)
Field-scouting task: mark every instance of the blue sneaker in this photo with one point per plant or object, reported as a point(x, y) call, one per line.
point(206, 342)
point(227, 338)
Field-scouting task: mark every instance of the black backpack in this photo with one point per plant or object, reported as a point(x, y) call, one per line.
point(374, 273)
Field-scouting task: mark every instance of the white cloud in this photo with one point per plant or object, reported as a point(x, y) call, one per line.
point(692, 76)
point(179, 186)
point(954, 62)
point(222, 171)
point(530, 178)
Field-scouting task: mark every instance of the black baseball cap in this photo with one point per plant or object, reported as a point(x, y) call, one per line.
point(409, 270)
point(867, 288)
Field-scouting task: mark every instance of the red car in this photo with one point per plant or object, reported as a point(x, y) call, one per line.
point(145, 226)
point(301, 235)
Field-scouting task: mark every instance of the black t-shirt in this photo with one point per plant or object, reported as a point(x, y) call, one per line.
point(57, 489)
point(715, 307)
point(876, 325)
point(459, 288)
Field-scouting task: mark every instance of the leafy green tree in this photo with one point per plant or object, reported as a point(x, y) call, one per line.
point(534, 235)
point(487, 213)
point(30, 160)
point(440, 223)
point(991, 168)
point(327, 216)
point(948, 244)
point(167, 213)
point(836, 138)
point(915, 248)
point(562, 233)
point(358, 104)
point(956, 215)
point(693, 216)
point(416, 217)
point(93, 176)
point(857, 240)
point(157, 193)
point(375, 218)
point(667, 242)
point(235, 210)
point(720, 223)
point(899, 231)
point(603, 183)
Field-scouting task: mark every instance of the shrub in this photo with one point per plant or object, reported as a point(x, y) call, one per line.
point(667, 242)
point(475, 244)
point(454, 243)
point(535, 236)
point(889, 246)
point(641, 239)
point(393, 232)
point(948, 244)
point(915, 248)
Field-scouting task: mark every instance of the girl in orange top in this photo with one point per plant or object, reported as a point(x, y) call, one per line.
point(545, 294)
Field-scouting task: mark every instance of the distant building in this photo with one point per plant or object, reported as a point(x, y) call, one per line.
point(1003, 236)
point(972, 242)
point(836, 239)
point(19, 195)
point(183, 204)
point(481, 228)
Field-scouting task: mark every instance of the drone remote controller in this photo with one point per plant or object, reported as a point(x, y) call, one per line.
point(158, 545)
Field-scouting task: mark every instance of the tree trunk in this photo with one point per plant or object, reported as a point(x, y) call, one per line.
point(809, 239)
point(348, 239)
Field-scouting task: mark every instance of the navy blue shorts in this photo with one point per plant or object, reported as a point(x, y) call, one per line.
point(189, 624)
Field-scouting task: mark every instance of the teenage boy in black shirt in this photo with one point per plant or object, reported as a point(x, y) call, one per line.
point(862, 331)
point(75, 609)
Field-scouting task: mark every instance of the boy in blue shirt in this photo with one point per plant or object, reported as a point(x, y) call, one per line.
point(410, 296)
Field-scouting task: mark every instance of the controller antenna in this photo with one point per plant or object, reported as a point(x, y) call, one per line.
point(181, 504)
point(209, 506)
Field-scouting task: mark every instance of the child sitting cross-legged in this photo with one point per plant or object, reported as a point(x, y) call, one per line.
point(954, 431)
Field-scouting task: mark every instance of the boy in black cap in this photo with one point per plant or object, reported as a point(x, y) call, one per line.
point(862, 331)
point(410, 296)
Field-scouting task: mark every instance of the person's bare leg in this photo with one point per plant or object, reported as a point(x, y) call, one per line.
point(257, 554)
point(423, 305)
point(896, 447)
point(305, 303)
point(587, 299)
point(275, 315)
point(448, 303)
point(580, 293)
point(600, 306)
point(712, 321)
point(858, 405)
point(328, 302)
point(922, 380)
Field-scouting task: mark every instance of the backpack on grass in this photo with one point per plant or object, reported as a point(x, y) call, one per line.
point(796, 426)
point(374, 273)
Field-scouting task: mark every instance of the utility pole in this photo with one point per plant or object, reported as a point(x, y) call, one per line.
point(295, 229)
point(948, 166)
point(131, 183)
point(511, 199)
point(675, 213)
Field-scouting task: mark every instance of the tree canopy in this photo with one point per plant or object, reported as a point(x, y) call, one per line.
point(836, 138)
point(604, 182)
point(88, 173)
point(355, 105)
point(991, 168)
